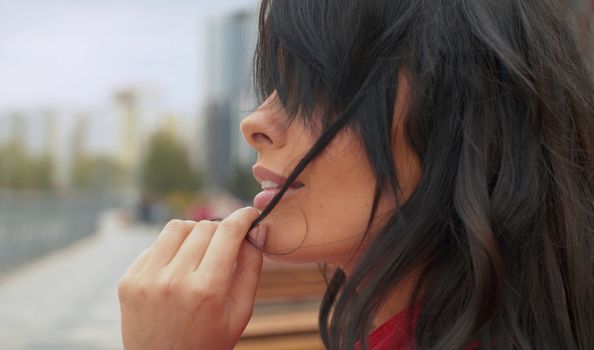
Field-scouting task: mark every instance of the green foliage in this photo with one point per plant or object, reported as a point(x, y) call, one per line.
point(166, 167)
point(96, 172)
point(242, 183)
point(20, 170)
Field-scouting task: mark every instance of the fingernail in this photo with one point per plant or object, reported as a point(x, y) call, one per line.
point(261, 239)
point(254, 233)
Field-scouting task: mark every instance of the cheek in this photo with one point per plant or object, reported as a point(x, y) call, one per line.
point(287, 227)
point(340, 220)
point(327, 220)
point(323, 226)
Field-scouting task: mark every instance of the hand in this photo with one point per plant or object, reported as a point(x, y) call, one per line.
point(194, 288)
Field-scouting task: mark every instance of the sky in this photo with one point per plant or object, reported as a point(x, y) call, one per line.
point(76, 53)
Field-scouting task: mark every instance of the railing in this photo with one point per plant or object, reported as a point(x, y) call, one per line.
point(35, 224)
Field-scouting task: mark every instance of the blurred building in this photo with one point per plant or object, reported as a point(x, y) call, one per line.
point(197, 143)
point(80, 135)
point(50, 137)
point(39, 135)
point(55, 150)
point(230, 97)
point(18, 129)
point(66, 134)
point(129, 143)
point(137, 110)
point(141, 116)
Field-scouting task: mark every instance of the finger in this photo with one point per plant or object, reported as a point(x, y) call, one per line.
point(192, 250)
point(168, 242)
point(139, 262)
point(245, 281)
point(217, 265)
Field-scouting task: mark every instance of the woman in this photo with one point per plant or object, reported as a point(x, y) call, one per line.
point(437, 153)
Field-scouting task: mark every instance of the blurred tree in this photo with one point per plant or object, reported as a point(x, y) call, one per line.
point(96, 172)
point(40, 171)
point(242, 183)
point(166, 167)
point(20, 170)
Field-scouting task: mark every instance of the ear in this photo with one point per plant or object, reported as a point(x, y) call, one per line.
point(408, 165)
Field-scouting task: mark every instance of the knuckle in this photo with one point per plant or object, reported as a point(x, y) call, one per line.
point(248, 213)
point(124, 287)
point(205, 225)
point(131, 288)
point(243, 216)
point(143, 288)
point(190, 223)
point(167, 287)
point(254, 265)
point(174, 225)
point(228, 224)
point(203, 295)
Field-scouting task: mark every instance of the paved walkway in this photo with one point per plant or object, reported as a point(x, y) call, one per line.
point(68, 300)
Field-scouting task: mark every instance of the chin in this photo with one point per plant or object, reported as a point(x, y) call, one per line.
point(281, 250)
point(293, 258)
point(335, 253)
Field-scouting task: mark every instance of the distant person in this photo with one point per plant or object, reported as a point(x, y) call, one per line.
point(145, 209)
point(200, 210)
point(439, 154)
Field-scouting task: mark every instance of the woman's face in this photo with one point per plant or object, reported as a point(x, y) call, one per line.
point(325, 219)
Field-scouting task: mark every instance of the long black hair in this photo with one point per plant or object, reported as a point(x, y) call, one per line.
point(500, 114)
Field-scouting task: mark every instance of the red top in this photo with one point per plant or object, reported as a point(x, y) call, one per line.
point(394, 333)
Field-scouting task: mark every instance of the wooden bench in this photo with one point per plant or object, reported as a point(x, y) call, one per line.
point(286, 310)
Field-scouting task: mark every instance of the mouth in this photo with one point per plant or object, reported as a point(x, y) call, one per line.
point(271, 184)
point(262, 199)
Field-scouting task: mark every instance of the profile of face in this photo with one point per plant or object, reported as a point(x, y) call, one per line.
point(325, 219)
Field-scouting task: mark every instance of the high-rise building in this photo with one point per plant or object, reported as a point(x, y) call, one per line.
point(197, 142)
point(126, 101)
point(80, 135)
point(136, 113)
point(231, 45)
point(53, 150)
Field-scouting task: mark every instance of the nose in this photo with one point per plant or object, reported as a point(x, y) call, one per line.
point(262, 128)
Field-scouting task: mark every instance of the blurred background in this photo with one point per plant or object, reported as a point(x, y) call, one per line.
point(115, 116)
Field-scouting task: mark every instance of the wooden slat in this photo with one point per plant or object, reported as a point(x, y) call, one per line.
point(290, 283)
point(286, 311)
point(305, 321)
point(297, 342)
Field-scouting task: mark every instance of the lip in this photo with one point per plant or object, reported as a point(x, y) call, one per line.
point(262, 173)
point(262, 199)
